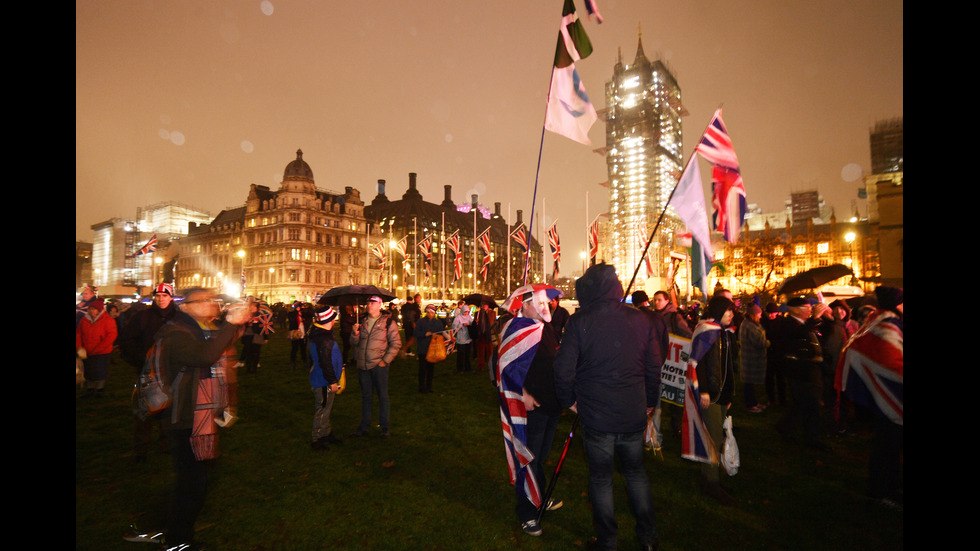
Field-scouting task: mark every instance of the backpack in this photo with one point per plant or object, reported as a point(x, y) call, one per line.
point(151, 395)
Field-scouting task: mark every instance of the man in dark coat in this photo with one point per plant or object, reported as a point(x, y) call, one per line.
point(608, 370)
point(134, 341)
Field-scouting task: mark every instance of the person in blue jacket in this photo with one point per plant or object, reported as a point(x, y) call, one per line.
point(327, 363)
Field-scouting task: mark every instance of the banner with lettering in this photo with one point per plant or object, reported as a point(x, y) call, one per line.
point(674, 371)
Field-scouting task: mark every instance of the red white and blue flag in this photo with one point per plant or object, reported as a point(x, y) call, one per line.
point(871, 367)
point(727, 189)
point(519, 342)
point(400, 246)
point(555, 244)
point(426, 247)
point(449, 338)
point(520, 236)
point(150, 247)
point(453, 245)
point(696, 443)
point(593, 241)
point(484, 241)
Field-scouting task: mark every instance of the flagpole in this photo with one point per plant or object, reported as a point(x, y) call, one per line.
point(663, 213)
point(508, 248)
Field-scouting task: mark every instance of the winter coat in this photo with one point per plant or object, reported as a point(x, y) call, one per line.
point(325, 356)
point(139, 332)
point(188, 353)
point(753, 347)
point(381, 342)
point(426, 325)
point(610, 357)
point(461, 324)
point(97, 336)
point(713, 356)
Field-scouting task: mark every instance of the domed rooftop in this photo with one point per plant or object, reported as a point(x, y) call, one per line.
point(298, 169)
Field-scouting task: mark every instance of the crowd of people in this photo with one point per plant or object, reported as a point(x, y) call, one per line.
point(602, 362)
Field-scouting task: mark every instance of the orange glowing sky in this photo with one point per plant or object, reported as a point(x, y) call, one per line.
point(190, 101)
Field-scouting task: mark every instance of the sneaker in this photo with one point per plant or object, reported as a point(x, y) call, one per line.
point(181, 547)
point(136, 535)
point(531, 528)
point(756, 409)
point(553, 504)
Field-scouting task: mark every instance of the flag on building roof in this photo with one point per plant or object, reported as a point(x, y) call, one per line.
point(555, 245)
point(150, 247)
point(570, 113)
point(518, 345)
point(727, 189)
point(688, 203)
point(871, 368)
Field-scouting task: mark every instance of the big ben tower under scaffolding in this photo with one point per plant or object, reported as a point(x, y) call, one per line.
point(644, 159)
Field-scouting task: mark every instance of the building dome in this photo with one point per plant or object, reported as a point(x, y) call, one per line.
point(298, 169)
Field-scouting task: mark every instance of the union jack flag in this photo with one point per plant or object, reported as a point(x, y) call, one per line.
point(593, 241)
point(727, 189)
point(484, 241)
point(871, 368)
point(453, 245)
point(150, 247)
point(519, 342)
point(520, 236)
point(696, 443)
point(555, 244)
point(400, 246)
point(426, 247)
point(449, 337)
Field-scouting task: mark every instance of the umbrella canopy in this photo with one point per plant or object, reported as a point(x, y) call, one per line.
point(353, 294)
point(513, 302)
point(476, 299)
point(813, 278)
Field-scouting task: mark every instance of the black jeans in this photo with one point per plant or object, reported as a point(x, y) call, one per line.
point(190, 488)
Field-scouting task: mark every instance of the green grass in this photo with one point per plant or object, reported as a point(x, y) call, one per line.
point(440, 481)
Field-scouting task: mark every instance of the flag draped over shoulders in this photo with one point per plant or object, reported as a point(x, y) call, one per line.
point(519, 342)
point(870, 370)
point(696, 443)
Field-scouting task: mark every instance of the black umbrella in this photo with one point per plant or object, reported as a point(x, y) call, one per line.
point(354, 295)
point(478, 299)
point(813, 278)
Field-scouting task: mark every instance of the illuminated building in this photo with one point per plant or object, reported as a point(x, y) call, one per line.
point(290, 244)
point(414, 219)
point(644, 160)
point(886, 197)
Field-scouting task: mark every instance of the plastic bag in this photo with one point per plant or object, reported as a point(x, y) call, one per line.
point(729, 451)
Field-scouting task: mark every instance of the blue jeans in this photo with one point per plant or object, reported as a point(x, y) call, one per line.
point(601, 451)
point(374, 381)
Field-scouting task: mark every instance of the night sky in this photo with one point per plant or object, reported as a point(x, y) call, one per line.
point(190, 101)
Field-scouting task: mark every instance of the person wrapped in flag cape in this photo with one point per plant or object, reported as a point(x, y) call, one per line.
point(871, 372)
point(529, 409)
point(711, 383)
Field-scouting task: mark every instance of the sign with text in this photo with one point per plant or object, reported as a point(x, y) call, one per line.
point(674, 371)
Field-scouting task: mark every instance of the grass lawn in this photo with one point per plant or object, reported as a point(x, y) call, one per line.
point(440, 481)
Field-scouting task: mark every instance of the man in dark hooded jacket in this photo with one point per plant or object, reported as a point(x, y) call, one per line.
point(608, 370)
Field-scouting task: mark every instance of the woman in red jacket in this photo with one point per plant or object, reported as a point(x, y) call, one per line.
point(94, 338)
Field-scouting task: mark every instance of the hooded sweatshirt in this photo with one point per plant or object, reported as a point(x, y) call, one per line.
point(610, 357)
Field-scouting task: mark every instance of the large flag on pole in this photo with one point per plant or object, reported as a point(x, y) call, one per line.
point(400, 246)
point(520, 236)
point(484, 241)
point(688, 202)
point(150, 247)
point(555, 245)
point(570, 113)
point(727, 189)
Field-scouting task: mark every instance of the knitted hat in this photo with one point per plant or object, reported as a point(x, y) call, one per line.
point(772, 307)
point(889, 297)
point(754, 309)
point(325, 314)
point(164, 289)
point(639, 297)
point(430, 308)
